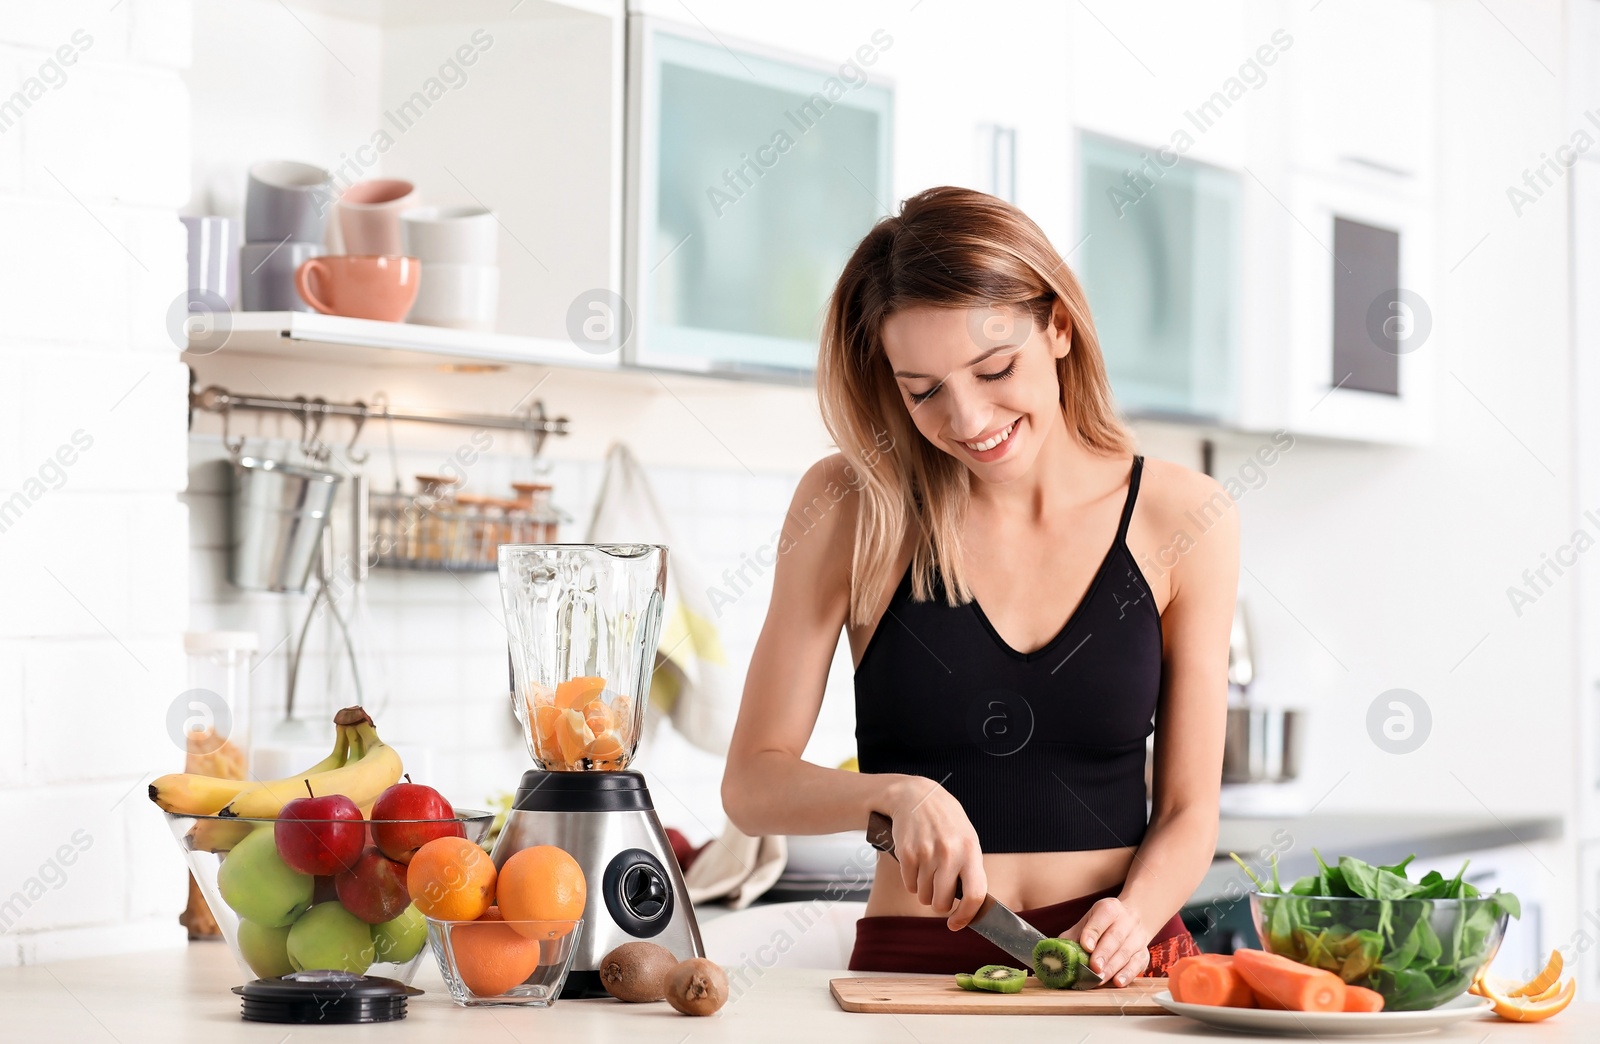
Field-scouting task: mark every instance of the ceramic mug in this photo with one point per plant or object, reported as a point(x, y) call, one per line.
point(362, 286)
point(369, 215)
point(463, 297)
point(467, 235)
point(213, 259)
point(286, 202)
point(267, 275)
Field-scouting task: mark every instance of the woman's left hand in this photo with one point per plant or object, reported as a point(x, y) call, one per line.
point(1118, 944)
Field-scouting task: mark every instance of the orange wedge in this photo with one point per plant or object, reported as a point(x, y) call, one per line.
point(540, 695)
point(1527, 1009)
point(544, 727)
point(1542, 982)
point(575, 692)
point(572, 735)
point(599, 717)
point(606, 744)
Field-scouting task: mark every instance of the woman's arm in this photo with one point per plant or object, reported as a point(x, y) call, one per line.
point(1191, 718)
point(767, 788)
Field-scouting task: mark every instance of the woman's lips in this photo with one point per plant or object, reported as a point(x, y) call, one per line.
point(995, 446)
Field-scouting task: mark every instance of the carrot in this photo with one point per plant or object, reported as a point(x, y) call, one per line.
point(1216, 983)
point(1176, 972)
point(1279, 982)
point(1359, 998)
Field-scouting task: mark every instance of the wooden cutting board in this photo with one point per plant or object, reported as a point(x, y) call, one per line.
point(939, 995)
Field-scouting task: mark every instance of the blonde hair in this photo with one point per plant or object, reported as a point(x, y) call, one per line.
point(949, 248)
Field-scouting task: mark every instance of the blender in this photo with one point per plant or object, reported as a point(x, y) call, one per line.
point(583, 621)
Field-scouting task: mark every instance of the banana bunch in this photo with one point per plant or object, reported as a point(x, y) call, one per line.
point(361, 767)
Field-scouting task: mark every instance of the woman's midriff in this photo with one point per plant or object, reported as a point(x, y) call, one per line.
point(1021, 880)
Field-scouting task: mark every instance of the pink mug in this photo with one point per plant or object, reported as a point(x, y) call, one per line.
point(362, 286)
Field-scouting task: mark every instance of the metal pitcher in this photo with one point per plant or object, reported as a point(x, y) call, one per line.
point(277, 515)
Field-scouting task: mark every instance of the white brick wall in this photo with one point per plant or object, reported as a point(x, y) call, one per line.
point(439, 643)
point(94, 557)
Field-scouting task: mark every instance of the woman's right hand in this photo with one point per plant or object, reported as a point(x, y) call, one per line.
point(936, 846)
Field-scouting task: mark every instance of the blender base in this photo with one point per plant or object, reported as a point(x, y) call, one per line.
point(607, 822)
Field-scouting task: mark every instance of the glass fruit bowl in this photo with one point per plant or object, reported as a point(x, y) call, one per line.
point(491, 961)
point(1418, 953)
point(277, 920)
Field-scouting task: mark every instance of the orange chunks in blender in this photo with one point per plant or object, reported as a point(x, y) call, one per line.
point(605, 746)
point(599, 717)
point(576, 692)
point(572, 735)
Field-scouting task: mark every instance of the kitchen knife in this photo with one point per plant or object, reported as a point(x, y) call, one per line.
point(995, 921)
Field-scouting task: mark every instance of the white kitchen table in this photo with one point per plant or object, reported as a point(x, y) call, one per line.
point(182, 995)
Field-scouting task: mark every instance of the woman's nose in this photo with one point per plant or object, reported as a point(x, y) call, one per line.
point(969, 411)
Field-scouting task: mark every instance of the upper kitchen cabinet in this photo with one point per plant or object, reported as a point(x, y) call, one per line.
point(517, 107)
point(1360, 83)
point(1159, 262)
point(751, 177)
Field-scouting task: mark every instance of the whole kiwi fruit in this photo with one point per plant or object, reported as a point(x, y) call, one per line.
point(637, 971)
point(697, 987)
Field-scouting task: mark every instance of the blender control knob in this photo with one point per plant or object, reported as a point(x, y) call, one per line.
point(644, 892)
point(638, 893)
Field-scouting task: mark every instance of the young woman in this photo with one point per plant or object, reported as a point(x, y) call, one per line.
point(1025, 599)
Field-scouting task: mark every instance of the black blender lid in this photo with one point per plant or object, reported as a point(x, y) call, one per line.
point(608, 791)
point(324, 996)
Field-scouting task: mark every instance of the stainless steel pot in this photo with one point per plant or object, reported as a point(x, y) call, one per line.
point(277, 516)
point(1262, 745)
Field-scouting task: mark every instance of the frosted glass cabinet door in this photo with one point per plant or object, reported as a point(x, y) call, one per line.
point(754, 180)
point(1159, 261)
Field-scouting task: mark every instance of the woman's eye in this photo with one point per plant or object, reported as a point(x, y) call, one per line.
point(924, 396)
point(1010, 369)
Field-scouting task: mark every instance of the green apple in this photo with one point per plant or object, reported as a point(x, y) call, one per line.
point(401, 939)
point(329, 936)
point(260, 886)
point(265, 949)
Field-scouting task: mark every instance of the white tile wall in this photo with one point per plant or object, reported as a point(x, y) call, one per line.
point(92, 541)
point(438, 640)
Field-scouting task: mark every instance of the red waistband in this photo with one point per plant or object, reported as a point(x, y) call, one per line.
point(925, 945)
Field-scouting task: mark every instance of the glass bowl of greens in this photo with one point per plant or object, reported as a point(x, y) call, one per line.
point(1419, 943)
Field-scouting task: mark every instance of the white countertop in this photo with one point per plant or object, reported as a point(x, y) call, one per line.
point(173, 996)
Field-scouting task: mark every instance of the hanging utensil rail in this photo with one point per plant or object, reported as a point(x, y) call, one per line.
point(538, 424)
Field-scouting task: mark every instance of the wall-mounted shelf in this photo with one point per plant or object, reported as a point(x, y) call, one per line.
point(312, 337)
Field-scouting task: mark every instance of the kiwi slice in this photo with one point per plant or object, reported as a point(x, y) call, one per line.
point(964, 980)
point(1056, 962)
point(997, 978)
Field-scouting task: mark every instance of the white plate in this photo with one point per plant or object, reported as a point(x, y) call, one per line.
point(1330, 1023)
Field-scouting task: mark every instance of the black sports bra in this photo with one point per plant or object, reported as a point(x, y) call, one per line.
point(1044, 750)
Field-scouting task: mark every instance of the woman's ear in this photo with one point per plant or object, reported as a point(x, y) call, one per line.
point(1060, 332)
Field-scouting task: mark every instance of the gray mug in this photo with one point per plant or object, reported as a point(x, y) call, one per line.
point(266, 275)
point(213, 259)
point(285, 200)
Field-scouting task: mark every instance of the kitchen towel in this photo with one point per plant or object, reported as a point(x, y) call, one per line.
point(693, 684)
point(736, 868)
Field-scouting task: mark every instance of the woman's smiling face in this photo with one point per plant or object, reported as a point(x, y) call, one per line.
point(980, 383)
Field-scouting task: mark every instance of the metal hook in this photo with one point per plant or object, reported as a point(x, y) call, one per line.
point(310, 441)
point(235, 447)
point(350, 450)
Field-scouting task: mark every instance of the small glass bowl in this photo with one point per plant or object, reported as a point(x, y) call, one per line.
point(206, 842)
point(480, 960)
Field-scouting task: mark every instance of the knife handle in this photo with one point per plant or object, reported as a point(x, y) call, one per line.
point(880, 835)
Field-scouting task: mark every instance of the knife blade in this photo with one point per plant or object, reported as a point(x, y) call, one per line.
point(995, 921)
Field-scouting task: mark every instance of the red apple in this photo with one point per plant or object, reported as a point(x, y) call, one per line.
point(320, 835)
point(399, 839)
point(374, 889)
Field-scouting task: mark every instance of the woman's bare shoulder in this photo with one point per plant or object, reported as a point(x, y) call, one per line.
point(1186, 520)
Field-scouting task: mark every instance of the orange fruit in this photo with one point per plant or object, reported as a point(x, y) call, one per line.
point(605, 745)
point(1544, 980)
point(1529, 1009)
point(572, 735)
point(599, 717)
point(542, 883)
point(575, 692)
point(490, 958)
point(544, 727)
point(451, 879)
